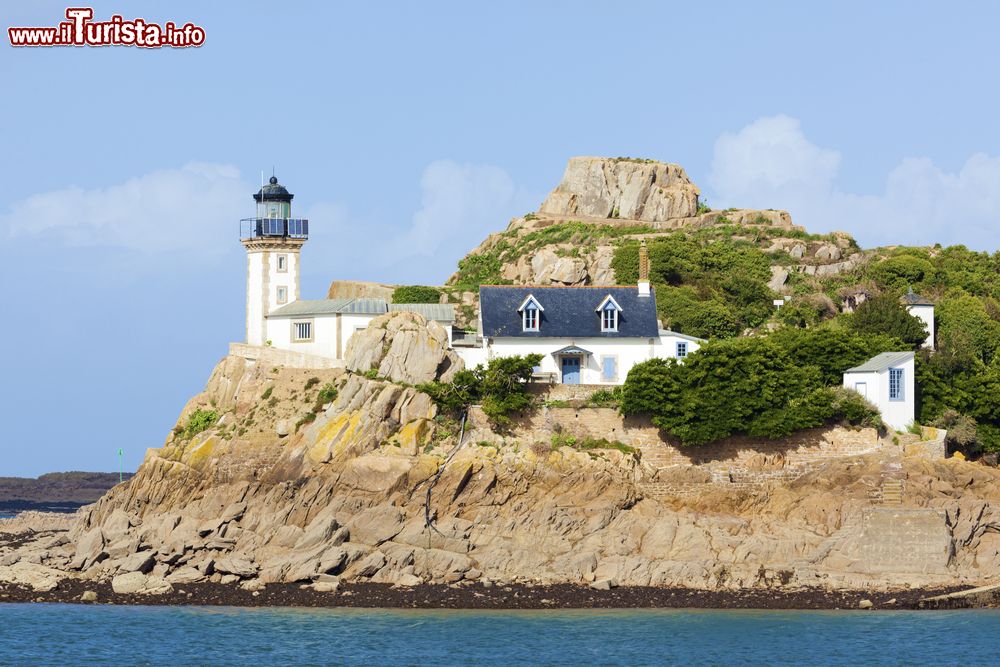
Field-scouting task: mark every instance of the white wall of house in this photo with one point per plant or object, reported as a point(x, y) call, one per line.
point(624, 353)
point(897, 414)
point(281, 332)
point(925, 313)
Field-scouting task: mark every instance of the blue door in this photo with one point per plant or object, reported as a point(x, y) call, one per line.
point(571, 370)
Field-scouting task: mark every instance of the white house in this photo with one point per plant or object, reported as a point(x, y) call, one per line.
point(886, 380)
point(923, 310)
point(586, 335)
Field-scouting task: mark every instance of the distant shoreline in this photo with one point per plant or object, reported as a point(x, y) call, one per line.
point(17, 506)
point(497, 597)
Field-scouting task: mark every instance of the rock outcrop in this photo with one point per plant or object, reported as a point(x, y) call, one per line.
point(403, 347)
point(342, 498)
point(358, 289)
point(622, 188)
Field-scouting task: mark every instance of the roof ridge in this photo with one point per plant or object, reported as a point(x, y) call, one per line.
point(564, 286)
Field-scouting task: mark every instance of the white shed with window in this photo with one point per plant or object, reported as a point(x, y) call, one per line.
point(886, 380)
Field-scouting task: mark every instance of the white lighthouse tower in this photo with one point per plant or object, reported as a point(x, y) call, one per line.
point(273, 240)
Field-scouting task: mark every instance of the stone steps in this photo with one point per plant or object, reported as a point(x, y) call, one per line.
point(892, 492)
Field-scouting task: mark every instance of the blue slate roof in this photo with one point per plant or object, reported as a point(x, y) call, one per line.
point(569, 312)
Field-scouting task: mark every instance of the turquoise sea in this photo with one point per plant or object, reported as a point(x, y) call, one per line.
point(61, 634)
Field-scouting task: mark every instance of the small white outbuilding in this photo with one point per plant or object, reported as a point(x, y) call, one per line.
point(923, 310)
point(886, 380)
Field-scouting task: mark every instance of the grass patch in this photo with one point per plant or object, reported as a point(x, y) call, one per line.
point(308, 418)
point(588, 443)
point(200, 420)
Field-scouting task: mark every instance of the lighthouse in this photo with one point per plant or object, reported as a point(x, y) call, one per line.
point(273, 240)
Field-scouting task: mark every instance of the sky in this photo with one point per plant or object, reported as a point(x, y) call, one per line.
point(408, 132)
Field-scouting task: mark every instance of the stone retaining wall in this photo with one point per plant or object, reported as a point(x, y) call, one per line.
point(286, 358)
point(738, 463)
point(932, 446)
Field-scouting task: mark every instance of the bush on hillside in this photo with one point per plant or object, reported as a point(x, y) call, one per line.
point(198, 421)
point(416, 294)
point(884, 314)
point(743, 386)
point(500, 388)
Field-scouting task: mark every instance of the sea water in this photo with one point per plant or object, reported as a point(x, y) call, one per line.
point(62, 634)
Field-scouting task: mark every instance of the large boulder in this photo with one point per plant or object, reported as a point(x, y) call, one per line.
point(37, 577)
point(137, 583)
point(403, 347)
point(646, 190)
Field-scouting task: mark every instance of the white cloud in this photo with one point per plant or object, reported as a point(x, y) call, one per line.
point(771, 164)
point(460, 205)
point(194, 208)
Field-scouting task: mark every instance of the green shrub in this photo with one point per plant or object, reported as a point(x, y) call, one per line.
point(328, 394)
point(606, 398)
point(884, 314)
point(198, 421)
point(308, 418)
point(416, 294)
point(748, 386)
point(311, 382)
point(500, 388)
point(371, 373)
point(587, 443)
point(267, 393)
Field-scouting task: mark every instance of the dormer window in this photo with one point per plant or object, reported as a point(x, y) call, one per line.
point(608, 311)
point(531, 312)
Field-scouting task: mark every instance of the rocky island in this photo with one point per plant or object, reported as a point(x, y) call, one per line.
point(354, 486)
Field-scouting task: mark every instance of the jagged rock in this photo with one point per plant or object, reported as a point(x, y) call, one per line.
point(186, 575)
point(779, 275)
point(403, 347)
point(282, 428)
point(318, 532)
point(797, 251)
point(238, 566)
point(548, 267)
point(828, 252)
point(286, 536)
point(138, 562)
point(234, 512)
point(88, 596)
point(117, 525)
point(89, 548)
point(359, 289)
point(370, 565)
point(38, 577)
point(622, 188)
point(137, 583)
point(604, 584)
point(865, 604)
point(253, 585)
point(408, 580)
point(377, 525)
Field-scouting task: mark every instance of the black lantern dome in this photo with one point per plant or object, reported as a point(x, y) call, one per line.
point(273, 191)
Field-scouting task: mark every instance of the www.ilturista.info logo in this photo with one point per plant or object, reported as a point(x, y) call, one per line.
point(79, 30)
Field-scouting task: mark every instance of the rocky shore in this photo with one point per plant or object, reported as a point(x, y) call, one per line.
point(477, 596)
point(314, 487)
